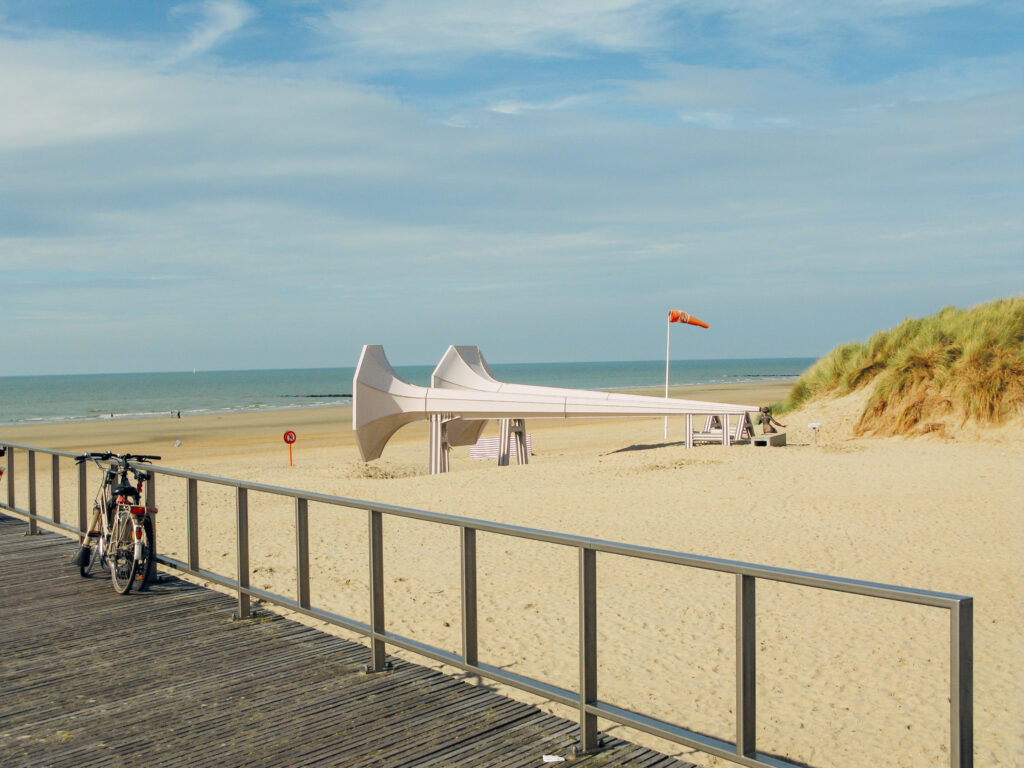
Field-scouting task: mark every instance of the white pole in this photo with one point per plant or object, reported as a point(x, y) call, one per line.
point(668, 338)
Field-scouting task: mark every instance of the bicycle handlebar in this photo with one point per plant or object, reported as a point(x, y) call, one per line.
point(107, 455)
point(94, 456)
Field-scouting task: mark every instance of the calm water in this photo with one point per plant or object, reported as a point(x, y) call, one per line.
point(42, 399)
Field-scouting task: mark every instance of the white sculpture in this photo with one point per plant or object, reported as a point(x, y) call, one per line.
point(468, 393)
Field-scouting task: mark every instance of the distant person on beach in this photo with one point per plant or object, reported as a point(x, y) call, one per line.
point(179, 414)
point(767, 421)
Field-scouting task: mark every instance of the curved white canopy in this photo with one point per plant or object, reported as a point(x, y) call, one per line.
point(464, 367)
point(383, 402)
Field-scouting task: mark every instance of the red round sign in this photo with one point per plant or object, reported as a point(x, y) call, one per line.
point(289, 437)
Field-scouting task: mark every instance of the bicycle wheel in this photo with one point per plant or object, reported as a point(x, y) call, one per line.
point(121, 556)
point(86, 559)
point(144, 571)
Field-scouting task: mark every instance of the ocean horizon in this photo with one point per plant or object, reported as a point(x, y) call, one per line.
point(91, 397)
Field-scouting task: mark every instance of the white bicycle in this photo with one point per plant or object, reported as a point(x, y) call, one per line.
point(120, 536)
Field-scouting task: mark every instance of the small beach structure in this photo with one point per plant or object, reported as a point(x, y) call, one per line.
point(465, 395)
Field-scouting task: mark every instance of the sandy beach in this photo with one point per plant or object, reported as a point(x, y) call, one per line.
point(842, 680)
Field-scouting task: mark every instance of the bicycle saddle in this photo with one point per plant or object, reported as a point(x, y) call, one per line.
point(127, 491)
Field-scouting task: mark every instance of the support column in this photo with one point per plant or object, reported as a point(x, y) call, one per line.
point(242, 551)
point(10, 477)
point(378, 663)
point(192, 523)
point(746, 666)
point(518, 430)
point(33, 525)
point(438, 442)
point(302, 552)
point(150, 503)
point(589, 740)
point(504, 437)
point(961, 684)
point(469, 599)
point(55, 488)
point(83, 500)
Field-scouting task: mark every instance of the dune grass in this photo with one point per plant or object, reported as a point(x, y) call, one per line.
point(957, 365)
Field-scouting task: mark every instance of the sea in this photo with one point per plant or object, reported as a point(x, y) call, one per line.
point(87, 397)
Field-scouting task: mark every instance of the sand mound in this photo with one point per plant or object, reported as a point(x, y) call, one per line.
point(958, 370)
point(843, 418)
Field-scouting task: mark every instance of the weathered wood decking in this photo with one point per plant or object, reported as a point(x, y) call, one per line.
point(165, 678)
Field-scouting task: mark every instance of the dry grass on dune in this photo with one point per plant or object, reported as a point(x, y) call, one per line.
point(929, 374)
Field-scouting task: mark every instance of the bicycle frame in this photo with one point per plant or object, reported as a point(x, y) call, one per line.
point(120, 526)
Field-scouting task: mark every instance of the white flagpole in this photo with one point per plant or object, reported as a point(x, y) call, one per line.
point(668, 338)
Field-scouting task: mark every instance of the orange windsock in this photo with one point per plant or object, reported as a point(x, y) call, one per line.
point(676, 316)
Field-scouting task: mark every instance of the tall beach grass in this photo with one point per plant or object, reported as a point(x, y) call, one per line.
point(956, 366)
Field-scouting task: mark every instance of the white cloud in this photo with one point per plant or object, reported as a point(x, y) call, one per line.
point(219, 21)
point(47, 94)
point(423, 33)
point(517, 107)
point(407, 29)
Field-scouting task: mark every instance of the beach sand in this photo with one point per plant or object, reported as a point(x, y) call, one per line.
point(842, 680)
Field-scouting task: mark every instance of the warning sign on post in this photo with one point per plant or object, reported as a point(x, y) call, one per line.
point(289, 437)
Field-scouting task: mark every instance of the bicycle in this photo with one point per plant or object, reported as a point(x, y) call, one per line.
point(120, 536)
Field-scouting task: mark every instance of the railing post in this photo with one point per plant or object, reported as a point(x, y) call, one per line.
point(33, 526)
point(746, 666)
point(150, 503)
point(302, 551)
point(961, 684)
point(55, 488)
point(83, 500)
point(192, 523)
point(242, 551)
point(376, 539)
point(589, 741)
point(469, 602)
point(10, 477)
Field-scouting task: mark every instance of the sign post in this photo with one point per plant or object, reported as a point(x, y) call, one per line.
point(289, 437)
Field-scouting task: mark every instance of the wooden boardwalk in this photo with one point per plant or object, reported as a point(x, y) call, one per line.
point(165, 678)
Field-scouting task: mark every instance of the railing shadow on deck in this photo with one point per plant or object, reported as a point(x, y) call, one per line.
point(585, 700)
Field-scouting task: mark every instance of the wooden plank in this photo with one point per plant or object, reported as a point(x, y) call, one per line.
point(165, 678)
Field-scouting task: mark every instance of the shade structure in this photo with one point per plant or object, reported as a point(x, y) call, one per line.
point(383, 403)
point(464, 367)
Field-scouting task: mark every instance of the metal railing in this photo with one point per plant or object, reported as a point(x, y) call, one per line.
point(743, 751)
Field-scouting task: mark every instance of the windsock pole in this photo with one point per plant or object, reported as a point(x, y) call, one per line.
point(668, 339)
point(676, 316)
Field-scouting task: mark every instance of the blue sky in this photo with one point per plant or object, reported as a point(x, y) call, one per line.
point(229, 184)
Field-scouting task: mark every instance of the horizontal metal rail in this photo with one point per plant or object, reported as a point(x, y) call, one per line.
point(743, 751)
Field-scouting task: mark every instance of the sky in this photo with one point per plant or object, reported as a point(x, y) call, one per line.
point(225, 184)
